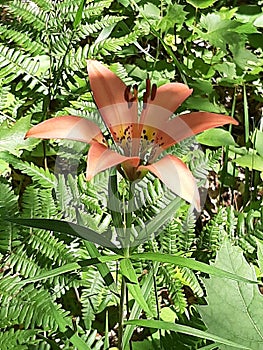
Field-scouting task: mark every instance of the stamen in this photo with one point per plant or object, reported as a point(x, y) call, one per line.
point(145, 98)
point(134, 98)
point(148, 87)
point(153, 92)
point(135, 91)
point(127, 94)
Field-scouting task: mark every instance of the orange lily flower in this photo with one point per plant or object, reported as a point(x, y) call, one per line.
point(138, 141)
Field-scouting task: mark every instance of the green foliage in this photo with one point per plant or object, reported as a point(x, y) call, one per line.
point(220, 293)
point(213, 46)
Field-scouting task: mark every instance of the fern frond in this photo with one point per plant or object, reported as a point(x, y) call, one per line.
point(23, 39)
point(68, 9)
point(92, 28)
point(29, 12)
point(8, 207)
point(31, 307)
point(214, 232)
point(4, 92)
point(40, 176)
point(13, 64)
point(25, 265)
point(51, 247)
point(46, 5)
point(31, 205)
point(112, 44)
point(93, 295)
point(18, 339)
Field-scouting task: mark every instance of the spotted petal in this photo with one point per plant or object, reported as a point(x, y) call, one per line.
point(67, 127)
point(101, 158)
point(177, 177)
point(108, 91)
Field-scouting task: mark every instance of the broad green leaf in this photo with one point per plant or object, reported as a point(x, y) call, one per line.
point(246, 28)
point(216, 137)
point(201, 4)
point(251, 161)
point(186, 330)
point(234, 309)
point(243, 57)
point(151, 11)
point(127, 271)
point(12, 139)
point(174, 14)
point(218, 31)
point(191, 264)
point(203, 104)
point(69, 228)
point(168, 315)
point(259, 21)
point(227, 70)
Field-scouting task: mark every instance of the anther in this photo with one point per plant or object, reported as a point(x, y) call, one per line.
point(145, 98)
point(153, 92)
point(135, 91)
point(127, 94)
point(148, 87)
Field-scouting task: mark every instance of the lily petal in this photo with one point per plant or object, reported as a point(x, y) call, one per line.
point(177, 177)
point(190, 124)
point(67, 127)
point(168, 98)
point(108, 91)
point(101, 158)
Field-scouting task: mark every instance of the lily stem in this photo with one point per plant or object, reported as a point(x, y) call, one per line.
point(121, 306)
point(121, 313)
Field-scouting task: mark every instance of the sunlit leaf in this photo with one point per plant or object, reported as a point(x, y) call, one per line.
point(201, 4)
point(186, 330)
point(233, 309)
point(251, 161)
point(216, 137)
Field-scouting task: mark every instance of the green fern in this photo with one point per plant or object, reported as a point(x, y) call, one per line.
point(13, 64)
point(40, 176)
point(30, 12)
point(94, 296)
point(23, 40)
point(18, 339)
point(9, 234)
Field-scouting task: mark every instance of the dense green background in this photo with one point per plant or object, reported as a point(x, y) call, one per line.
point(52, 296)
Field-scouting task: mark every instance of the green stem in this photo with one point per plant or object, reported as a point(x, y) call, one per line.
point(246, 125)
point(121, 311)
point(225, 162)
point(121, 219)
